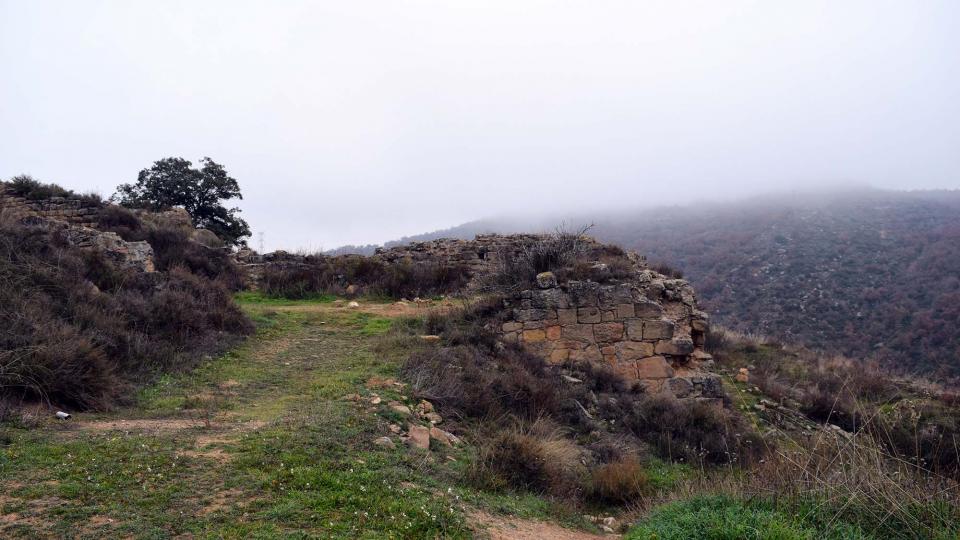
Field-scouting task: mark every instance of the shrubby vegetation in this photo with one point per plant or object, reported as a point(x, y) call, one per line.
point(27, 187)
point(321, 275)
point(78, 331)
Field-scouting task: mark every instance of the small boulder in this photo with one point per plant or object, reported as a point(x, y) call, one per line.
point(386, 442)
point(546, 280)
point(398, 407)
point(433, 417)
point(352, 289)
point(743, 375)
point(418, 436)
point(353, 304)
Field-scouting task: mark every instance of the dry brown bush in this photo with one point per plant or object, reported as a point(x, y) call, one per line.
point(76, 330)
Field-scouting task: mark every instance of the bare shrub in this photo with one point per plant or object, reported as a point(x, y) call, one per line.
point(77, 330)
point(618, 482)
point(692, 431)
point(532, 456)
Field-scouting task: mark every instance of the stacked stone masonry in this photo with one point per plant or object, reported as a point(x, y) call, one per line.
point(78, 220)
point(78, 212)
point(646, 328)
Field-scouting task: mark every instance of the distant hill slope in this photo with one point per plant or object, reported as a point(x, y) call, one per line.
point(867, 273)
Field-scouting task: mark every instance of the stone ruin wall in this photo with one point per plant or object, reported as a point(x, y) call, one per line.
point(77, 212)
point(78, 219)
point(646, 327)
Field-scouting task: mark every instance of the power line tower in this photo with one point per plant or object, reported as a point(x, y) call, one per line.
point(260, 243)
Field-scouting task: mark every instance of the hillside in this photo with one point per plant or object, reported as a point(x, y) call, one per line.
point(866, 273)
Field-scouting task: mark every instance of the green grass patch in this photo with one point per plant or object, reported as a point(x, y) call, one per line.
point(725, 518)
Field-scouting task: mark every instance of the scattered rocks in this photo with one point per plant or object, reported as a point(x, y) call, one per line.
point(444, 437)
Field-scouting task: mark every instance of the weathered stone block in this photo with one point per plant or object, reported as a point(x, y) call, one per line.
point(580, 332)
point(634, 329)
point(661, 329)
point(533, 336)
point(524, 315)
point(583, 293)
point(608, 332)
point(625, 311)
point(589, 354)
point(531, 325)
point(567, 316)
point(675, 347)
point(621, 293)
point(588, 315)
point(648, 310)
point(680, 387)
point(655, 367)
point(512, 326)
point(549, 298)
point(559, 356)
point(633, 350)
point(554, 332)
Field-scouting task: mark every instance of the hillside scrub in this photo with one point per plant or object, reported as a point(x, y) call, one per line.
point(918, 423)
point(320, 275)
point(528, 416)
point(77, 330)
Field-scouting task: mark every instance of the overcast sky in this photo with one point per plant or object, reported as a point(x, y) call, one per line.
point(356, 122)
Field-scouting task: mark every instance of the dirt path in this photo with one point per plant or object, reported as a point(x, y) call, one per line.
point(514, 528)
point(257, 443)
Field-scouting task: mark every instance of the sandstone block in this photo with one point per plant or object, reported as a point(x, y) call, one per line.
point(661, 329)
point(549, 299)
point(655, 367)
point(634, 329)
point(625, 311)
point(583, 293)
point(675, 347)
point(559, 356)
point(554, 332)
point(609, 315)
point(588, 315)
point(621, 293)
point(700, 325)
point(533, 325)
point(633, 350)
point(533, 336)
point(648, 310)
point(567, 316)
point(608, 332)
point(580, 332)
point(590, 354)
point(511, 326)
point(524, 315)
